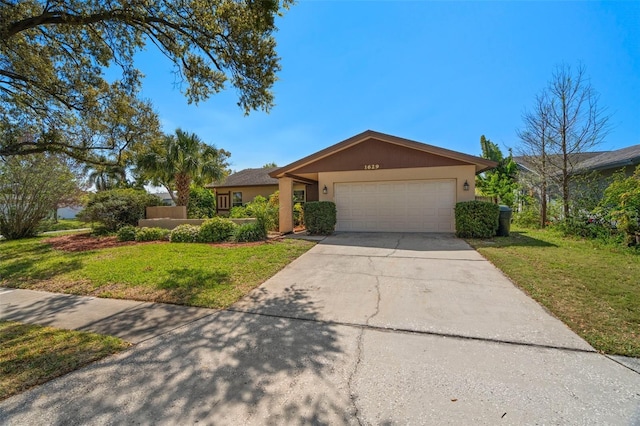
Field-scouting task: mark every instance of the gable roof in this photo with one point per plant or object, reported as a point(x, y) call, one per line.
point(481, 164)
point(249, 177)
point(628, 156)
point(525, 161)
point(595, 160)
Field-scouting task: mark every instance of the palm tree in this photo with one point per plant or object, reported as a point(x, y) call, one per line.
point(180, 160)
point(105, 175)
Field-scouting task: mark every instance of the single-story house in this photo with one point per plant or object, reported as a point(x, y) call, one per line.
point(383, 183)
point(242, 187)
point(604, 162)
point(608, 162)
point(165, 197)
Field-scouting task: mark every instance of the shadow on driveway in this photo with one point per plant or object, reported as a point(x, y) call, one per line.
point(228, 368)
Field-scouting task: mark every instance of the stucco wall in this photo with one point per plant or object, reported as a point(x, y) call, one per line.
point(166, 212)
point(460, 173)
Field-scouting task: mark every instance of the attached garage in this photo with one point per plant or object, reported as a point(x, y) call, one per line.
point(383, 183)
point(396, 206)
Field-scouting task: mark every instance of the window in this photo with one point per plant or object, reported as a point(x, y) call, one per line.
point(298, 196)
point(237, 199)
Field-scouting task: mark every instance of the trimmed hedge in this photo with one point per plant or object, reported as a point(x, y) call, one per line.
point(216, 230)
point(476, 219)
point(127, 233)
point(184, 234)
point(320, 217)
point(152, 234)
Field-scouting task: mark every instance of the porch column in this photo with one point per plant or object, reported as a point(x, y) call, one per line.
point(285, 186)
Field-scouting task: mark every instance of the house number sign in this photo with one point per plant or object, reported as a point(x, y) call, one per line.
point(371, 166)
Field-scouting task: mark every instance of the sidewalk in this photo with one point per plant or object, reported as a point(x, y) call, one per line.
point(130, 320)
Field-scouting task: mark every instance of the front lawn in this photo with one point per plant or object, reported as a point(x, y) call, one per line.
point(32, 354)
point(593, 288)
point(61, 225)
point(213, 276)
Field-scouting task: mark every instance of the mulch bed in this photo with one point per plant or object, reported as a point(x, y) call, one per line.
point(86, 242)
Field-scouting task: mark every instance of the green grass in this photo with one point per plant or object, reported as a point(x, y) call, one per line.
point(593, 288)
point(188, 274)
point(32, 354)
point(62, 225)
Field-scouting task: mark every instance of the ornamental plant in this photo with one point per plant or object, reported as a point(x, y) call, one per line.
point(476, 219)
point(320, 217)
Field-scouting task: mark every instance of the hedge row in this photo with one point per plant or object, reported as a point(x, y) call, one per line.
point(214, 230)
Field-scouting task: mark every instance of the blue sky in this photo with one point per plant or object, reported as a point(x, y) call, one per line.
point(442, 73)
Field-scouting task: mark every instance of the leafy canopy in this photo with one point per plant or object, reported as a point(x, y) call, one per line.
point(31, 186)
point(180, 160)
point(499, 183)
point(55, 55)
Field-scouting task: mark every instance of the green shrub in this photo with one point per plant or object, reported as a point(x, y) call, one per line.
point(202, 203)
point(216, 230)
point(298, 214)
point(621, 204)
point(152, 234)
point(529, 217)
point(320, 217)
point(127, 233)
point(476, 219)
point(184, 234)
point(249, 232)
point(116, 208)
point(238, 212)
point(265, 213)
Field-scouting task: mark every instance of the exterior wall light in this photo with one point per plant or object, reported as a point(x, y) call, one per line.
point(325, 190)
point(465, 186)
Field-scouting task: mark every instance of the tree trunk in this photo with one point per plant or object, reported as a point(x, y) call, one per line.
point(183, 182)
point(543, 204)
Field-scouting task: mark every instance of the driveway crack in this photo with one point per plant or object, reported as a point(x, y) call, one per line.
point(396, 247)
point(360, 347)
point(353, 397)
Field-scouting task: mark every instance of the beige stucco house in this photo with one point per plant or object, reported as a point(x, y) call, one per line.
point(242, 187)
point(383, 183)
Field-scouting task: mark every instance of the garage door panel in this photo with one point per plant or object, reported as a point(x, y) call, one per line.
point(409, 206)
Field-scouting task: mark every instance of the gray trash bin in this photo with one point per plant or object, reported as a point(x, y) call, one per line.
point(504, 222)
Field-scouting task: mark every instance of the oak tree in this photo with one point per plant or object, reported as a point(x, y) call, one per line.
point(67, 66)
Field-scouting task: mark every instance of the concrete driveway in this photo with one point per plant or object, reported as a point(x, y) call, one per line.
point(362, 329)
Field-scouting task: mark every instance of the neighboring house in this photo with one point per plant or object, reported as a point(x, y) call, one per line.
point(604, 162)
point(608, 162)
point(242, 187)
point(69, 212)
point(383, 183)
point(165, 197)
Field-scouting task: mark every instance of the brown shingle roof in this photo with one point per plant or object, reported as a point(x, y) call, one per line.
point(600, 160)
point(611, 159)
point(249, 177)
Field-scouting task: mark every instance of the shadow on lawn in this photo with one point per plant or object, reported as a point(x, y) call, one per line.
point(227, 368)
point(186, 285)
point(513, 240)
point(14, 273)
